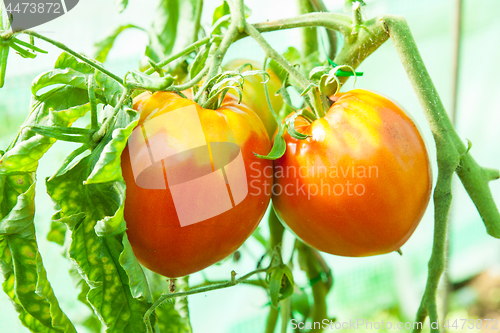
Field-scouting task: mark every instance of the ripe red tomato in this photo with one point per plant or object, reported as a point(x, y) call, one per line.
point(359, 185)
point(254, 95)
point(193, 208)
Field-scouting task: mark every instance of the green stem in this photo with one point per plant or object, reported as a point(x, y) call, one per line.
point(286, 313)
point(184, 52)
point(319, 6)
point(283, 62)
point(197, 19)
point(276, 230)
point(338, 22)
point(75, 54)
point(4, 54)
point(191, 82)
point(224, 285)
point(357, 17)
point(309, 35)
point(272, 320)
point(319, 288)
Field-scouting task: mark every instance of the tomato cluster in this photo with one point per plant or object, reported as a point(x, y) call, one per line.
point(357, 185)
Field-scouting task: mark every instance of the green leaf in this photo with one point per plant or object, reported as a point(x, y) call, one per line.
point(104, 46)
point(290, 122)
point(25, 278)
point(4, 54)
point(221, 11)
point(137, 278)
point(174, 18)
point(107, 168)
point(94, 214)
point(279, 145)
point(57, 232)
point(199, 62)
point(149, 82)
point(275, 280)
point(110, 89)
point(280, 284)
point(66, 76)
point(121, 5)
point(220, 18)
point(66, 60)
point(24, 156)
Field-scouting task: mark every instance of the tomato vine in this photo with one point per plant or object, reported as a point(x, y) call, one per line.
point(89, 189)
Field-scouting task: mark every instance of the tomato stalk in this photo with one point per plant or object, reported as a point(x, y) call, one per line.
point(319, 288)
point(282, 61)
point(186, 51)
point(235, 27)
point(452, 156)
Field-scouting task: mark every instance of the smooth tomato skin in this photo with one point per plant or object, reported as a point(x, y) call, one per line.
point(254, 94)
point(361, 130)
point(154, 231)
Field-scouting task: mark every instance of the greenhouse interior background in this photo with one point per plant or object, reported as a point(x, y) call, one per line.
point(387, 287)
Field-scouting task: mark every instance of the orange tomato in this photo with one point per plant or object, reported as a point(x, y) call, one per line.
point(360, 184)
point(192, 207)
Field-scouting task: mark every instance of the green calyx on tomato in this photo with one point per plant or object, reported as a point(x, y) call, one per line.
point(358, 184)
point(227, 190)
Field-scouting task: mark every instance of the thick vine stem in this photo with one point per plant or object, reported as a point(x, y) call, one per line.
point(208, 288)
point(319, 288)
point(338, 22)
point(237, 22)
point(356, 48)
point(473, 177)
point(451, 156)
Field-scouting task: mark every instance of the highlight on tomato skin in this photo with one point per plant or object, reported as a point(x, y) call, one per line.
point(194, 207)
point(360, 184)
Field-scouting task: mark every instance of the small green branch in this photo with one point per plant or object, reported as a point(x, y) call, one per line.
point(338, 22)
point(451, 156)
point(184, 52)
point(215, 59)
point(357, 16)
point(191, 82)
point(283, 62)
point(86, 60)
point(224, 285)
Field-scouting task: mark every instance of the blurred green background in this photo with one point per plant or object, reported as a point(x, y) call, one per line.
point(387, 287)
